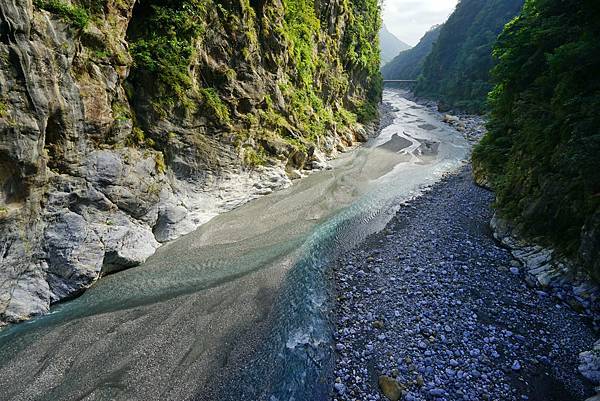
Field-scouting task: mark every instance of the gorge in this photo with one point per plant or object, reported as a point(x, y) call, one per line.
point(220, 200)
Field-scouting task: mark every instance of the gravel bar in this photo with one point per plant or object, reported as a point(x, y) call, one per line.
point(433, 308)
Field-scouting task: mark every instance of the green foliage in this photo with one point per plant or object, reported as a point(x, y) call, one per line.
point(301, 28)
point(362, 44)
point(3, 110)
point(159, 160)
point(327, 66)
point(163, 45)
point(74, 15)
point(366, 111)
point(211, 99)
point(138, 136)
point(121, 112)
point(542, 152)
point(362, 38)
point(254, 158)
point(457, 69)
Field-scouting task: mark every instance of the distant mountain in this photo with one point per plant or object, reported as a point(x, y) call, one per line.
point(457, 71)
point(390, 45)
point(409, 63)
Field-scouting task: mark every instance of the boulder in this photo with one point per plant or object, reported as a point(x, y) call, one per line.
point(390, 388)
point(589, 364)
point(168, 225)
point(450, 119)
point(127, 245)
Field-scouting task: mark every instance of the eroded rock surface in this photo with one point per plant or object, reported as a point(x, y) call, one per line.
point(94, 176)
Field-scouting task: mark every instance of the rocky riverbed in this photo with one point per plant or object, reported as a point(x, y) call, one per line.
point(433, 308)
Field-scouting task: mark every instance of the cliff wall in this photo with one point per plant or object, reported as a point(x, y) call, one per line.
point(125, 124)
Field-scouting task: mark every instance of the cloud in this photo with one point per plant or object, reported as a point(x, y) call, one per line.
point(410, 19)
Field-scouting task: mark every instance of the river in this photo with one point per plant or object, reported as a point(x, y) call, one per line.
point(238, 308)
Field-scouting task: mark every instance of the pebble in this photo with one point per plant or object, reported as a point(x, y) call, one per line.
point(455, 324)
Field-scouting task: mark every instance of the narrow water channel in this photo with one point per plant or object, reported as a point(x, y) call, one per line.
point(238, 308)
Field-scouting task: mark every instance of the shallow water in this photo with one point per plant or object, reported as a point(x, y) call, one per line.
point(236, 309)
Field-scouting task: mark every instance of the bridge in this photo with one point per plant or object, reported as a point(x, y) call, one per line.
point(393, 81)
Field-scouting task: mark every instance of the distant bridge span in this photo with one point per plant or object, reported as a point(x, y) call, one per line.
point(391, 81)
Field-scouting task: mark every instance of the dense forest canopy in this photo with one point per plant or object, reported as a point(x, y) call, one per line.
point(542, 152)
point(457, 70)
point(409, 63)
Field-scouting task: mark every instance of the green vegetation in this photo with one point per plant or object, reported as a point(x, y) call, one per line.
point(456, 71)
point(159, 160)
point(3, 110)
point(542, 152)
point(409, 63)
point(326, 82)
point(74, 15)
point(121, 112)
point(253, 157)
point(162, 46)
point(213, 101)
point(362, 42)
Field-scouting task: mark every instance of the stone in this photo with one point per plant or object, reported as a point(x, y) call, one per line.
point(127, 246)
point(294, 174)
point(437, 392)
point(589, 363)
point(378, 324)
point(168, 226)
point(390, 388)
point(450, 119)
point(340, 388)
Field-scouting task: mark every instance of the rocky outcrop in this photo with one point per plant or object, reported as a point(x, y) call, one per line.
point(547, 270)
point(96, 172)
point(589, 367)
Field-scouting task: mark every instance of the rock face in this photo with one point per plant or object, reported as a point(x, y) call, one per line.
point(96, 170)
point(589, 367)
point(550, 272)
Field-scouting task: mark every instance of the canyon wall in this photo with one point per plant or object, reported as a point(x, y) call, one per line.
point(126, 124)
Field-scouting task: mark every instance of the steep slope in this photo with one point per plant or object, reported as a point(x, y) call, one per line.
point(542, 150)
point(390, 45)
point(457, 70)
point(409, 63)
point(125, 124)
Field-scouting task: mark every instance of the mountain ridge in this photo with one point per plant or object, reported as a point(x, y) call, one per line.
point(390, 45)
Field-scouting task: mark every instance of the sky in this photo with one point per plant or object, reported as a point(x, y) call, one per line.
point(410, 19)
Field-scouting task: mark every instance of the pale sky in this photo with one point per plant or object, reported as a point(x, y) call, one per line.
point(410, 19)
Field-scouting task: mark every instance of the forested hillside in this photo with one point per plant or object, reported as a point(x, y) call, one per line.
point(542, 152)
point(409, 63)
point(457, 70)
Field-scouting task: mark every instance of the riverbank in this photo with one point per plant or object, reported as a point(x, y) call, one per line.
point(433, 308)
point(236, 309)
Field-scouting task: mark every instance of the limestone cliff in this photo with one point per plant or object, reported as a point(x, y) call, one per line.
point(125, 124)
